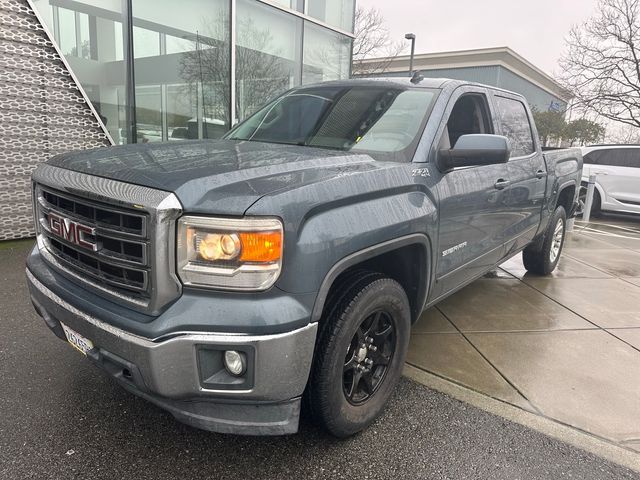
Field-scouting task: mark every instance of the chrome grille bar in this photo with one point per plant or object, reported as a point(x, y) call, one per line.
point(112, 243)
point(126, 249)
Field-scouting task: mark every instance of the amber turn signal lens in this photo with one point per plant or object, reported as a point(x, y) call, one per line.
point(261, 247)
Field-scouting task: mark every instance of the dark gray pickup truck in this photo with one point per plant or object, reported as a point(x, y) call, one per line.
point(231, 282)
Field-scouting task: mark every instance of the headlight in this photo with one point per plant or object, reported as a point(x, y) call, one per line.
point(233, 254)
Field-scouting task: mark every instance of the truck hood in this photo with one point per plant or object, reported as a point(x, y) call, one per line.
point(215, 176)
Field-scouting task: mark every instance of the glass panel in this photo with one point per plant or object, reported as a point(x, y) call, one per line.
point(381, 120)
point(177, 45)
point(326, 54)
point(149, 113)
point(514, 123)
point(85, 38)
point(632, 158)
point(285, 3)
point(118, 41)
point(98, 65)
point(182, 69)
point(613, 158)
point(146, 43)
point(337, 13)
point(267, 54)
point(67, 32)
point(182, 121)
point(617, 157)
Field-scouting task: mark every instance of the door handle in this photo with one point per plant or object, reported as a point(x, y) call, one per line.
point(541, 174)
point(501, 184)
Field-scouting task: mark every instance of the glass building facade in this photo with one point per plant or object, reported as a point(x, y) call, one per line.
point(163, 71)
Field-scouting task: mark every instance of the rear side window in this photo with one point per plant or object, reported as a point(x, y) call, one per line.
point(593, 158)
point(615, 157)
point(515, 125)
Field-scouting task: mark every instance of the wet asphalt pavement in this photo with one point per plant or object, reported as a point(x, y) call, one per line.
point(62, 418)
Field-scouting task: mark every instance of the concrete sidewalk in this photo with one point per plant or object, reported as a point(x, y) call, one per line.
point(565, 347)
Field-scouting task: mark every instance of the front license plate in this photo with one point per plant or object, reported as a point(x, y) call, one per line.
point(77, 340)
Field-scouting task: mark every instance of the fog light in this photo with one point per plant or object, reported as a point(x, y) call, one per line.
point(235, 362)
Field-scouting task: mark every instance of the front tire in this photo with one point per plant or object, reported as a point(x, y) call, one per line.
point(360, 354)
point(542, 259)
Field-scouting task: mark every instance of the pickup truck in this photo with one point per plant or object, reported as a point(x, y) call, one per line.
point(233, 282)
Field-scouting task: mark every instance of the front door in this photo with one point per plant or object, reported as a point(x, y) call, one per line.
point(472, 200)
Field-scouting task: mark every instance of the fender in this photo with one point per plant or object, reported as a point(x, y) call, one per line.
point(560, 187)
point(372, 252)
point(585, 182)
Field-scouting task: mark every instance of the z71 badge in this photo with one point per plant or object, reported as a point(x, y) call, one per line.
point(420, 172)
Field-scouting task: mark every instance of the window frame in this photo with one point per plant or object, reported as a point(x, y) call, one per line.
point(486, 114)
point(534, 142)
point(443, 119)
point(623, 151)
point(408, 153)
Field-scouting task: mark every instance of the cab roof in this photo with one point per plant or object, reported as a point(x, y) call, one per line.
point(405, 82)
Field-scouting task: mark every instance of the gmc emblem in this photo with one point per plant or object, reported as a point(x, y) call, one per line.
point(71, 231)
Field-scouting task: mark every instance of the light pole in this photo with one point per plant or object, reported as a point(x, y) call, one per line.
point(412, 37)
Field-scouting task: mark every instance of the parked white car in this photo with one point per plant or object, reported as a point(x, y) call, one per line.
point(617, 170)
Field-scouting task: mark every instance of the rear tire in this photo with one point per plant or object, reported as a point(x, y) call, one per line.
point(360, 353)
point(596, 204)
point(542, 258)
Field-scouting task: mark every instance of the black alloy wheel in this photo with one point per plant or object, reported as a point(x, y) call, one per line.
point(362, 342)
point(368, 357)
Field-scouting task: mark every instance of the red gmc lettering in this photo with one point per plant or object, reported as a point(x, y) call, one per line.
point(71, 231)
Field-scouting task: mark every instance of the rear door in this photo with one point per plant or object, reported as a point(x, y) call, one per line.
point(472, 205)
point(617, 172)
point(526, 170)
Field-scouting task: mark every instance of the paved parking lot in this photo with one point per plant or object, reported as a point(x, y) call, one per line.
point(566, 347)
point(62, 418)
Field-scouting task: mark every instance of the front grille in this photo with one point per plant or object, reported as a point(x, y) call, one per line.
point(112, 250)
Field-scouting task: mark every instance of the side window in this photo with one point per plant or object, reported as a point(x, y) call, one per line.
point(592, 158)
point(633, 157)
point(515, 125)
point(615, 157)
point(470, 115)
point(627, 157)
point(612, 157)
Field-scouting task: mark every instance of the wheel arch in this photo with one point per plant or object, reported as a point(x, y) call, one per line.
point(405, 259)
point(567, 197)
point(584, 183)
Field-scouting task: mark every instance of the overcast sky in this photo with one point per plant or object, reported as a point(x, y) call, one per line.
point(533, 28)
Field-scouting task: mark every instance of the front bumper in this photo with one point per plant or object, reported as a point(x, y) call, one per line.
point(183, 373)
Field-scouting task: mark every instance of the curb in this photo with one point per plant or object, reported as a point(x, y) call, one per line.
point(551, 428)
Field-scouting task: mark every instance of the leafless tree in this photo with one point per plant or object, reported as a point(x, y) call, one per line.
point(624, 134)
point(260, 75)
point(372, 40)
point(602, 62)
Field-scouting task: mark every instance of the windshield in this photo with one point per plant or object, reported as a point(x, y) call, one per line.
point(384, 121)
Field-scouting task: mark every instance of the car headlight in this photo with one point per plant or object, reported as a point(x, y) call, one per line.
point(232, 254)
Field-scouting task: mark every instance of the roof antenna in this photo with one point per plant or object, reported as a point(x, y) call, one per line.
point(417, 77)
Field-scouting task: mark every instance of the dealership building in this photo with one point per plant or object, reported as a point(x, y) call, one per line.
point(89, 73)
point(78, 74)
point(500, 67)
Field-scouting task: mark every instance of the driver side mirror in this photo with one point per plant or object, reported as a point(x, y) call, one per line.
point(474, 150)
